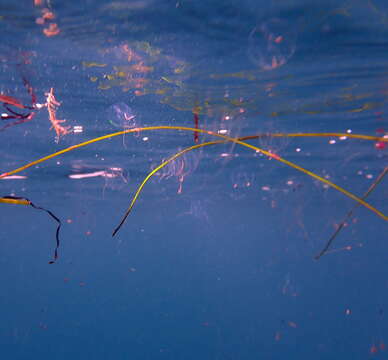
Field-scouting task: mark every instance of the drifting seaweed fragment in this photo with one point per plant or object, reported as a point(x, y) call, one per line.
point(182, 152)
point(350, 214)
point(230, 139)
point(52, 105)
point(224, 139)
point(196, 125)
point(14, 200)
point(234, 140)
point(9, 101)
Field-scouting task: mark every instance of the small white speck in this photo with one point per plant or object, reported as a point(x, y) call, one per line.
point(78, 129)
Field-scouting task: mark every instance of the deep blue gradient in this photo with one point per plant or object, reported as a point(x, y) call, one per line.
point(216, 261)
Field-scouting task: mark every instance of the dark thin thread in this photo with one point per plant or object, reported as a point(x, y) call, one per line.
point(48, 212)
point(350, 214)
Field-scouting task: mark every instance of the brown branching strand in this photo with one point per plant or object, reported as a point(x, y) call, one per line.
point(350, 214)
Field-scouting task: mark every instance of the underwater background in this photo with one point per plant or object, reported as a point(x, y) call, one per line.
point(217, 259)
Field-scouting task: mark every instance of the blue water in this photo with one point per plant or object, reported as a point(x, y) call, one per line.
point(216, 260)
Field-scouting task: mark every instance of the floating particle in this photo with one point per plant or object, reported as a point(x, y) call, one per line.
point(77, 129)
point(223, 131)
point(380, 145)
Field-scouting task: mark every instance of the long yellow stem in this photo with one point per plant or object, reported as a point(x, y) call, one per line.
point(230, 139)
point(172, 158)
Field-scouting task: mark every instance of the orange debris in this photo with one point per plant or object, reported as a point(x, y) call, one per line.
point(52, 30)
point(52, 106)
point(47, 14)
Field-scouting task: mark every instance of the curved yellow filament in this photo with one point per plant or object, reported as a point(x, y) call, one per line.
point(182, 152)
point(230, 139)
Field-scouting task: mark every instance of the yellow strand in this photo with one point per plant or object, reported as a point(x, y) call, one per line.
point(153, 172)
point(6, 200)
point(183, 128)
point(172, 158)
point(230, 139)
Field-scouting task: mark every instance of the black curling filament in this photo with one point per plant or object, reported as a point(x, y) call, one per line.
point(25, 201)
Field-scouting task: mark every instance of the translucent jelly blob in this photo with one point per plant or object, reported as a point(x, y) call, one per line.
point(272, 43)
point(121, 116)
